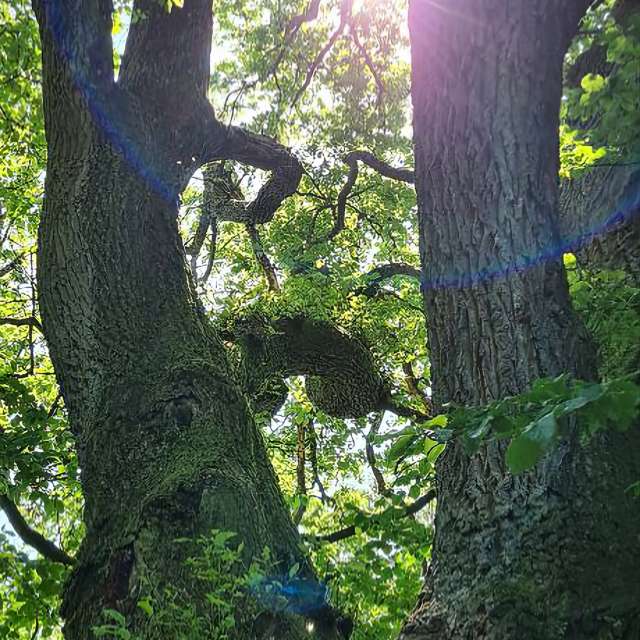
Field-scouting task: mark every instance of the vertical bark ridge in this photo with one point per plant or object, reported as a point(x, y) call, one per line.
point(513, 556)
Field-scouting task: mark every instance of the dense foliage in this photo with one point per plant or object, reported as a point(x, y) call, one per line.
point(362, 475)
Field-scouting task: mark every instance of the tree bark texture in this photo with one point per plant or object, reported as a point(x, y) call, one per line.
point(549, 553)
point(167, 446)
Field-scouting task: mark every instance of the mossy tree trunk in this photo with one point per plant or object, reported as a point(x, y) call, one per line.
point(549, 553)
point(166, 444)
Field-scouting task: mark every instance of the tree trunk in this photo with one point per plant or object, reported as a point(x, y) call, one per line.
point(549, 553)
point(166, 444)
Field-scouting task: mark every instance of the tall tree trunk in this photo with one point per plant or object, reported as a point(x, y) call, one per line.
point(550, 553)
point(166, 444)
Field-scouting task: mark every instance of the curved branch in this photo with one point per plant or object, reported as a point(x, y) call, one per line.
point(345, 14)
point(384, 169)
point(369, 62)
point(260, 152)
point(348, 532)
point(22, 322)
point(341, 377)
point(30, 536)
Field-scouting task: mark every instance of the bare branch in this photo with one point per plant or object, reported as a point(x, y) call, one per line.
point(345, 15)
point(384, 169)
point(301, 480)
point(30, 536)
point(374, 72)
point(263, 259)
point(313, 459)
point(382, 272)
point(309, 14)
point(348, 532)
point(371, 455)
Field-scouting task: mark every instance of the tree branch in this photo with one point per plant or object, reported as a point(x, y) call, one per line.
point(348, 532)
point(30, 536)
point(22, 322)
point(414, 390)
point(341, 377)
point(167, 53)
point(261, 152)
point(11, 265)
point(384, 169)
point(382, 272)
point(369, 62)
point(371, 455)
point(263, 259)
point(345, 14)
point(600, 217)
point(77, 65)
point(301, 480)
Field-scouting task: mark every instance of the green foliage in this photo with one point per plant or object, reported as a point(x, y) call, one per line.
point(375, 574)
point(609, 304)
point(534, 421)
point(219, 572)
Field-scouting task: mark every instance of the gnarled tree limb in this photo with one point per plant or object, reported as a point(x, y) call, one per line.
point(341, 377)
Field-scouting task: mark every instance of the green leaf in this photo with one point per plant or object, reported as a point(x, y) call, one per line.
point(526, 449)
point(592, 82)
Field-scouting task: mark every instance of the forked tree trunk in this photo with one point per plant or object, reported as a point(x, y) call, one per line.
point(551, 553)
point(166, 444)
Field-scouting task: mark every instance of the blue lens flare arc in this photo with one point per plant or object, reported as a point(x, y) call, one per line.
point(115, 131)
point(297, 595)
point(627, 208)
point(97, 106)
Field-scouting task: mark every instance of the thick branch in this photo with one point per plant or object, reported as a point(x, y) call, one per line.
point(167, 52)
point(77, 64)
point(341, 377)
point(31, 537)
point(600, 217)
point(260, 152)
point(350, 531)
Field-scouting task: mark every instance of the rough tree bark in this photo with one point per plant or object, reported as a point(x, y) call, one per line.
point(550, 553)
point(166, 444)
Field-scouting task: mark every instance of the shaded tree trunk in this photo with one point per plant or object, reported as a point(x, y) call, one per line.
point(166, 444)
point(549, 553)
